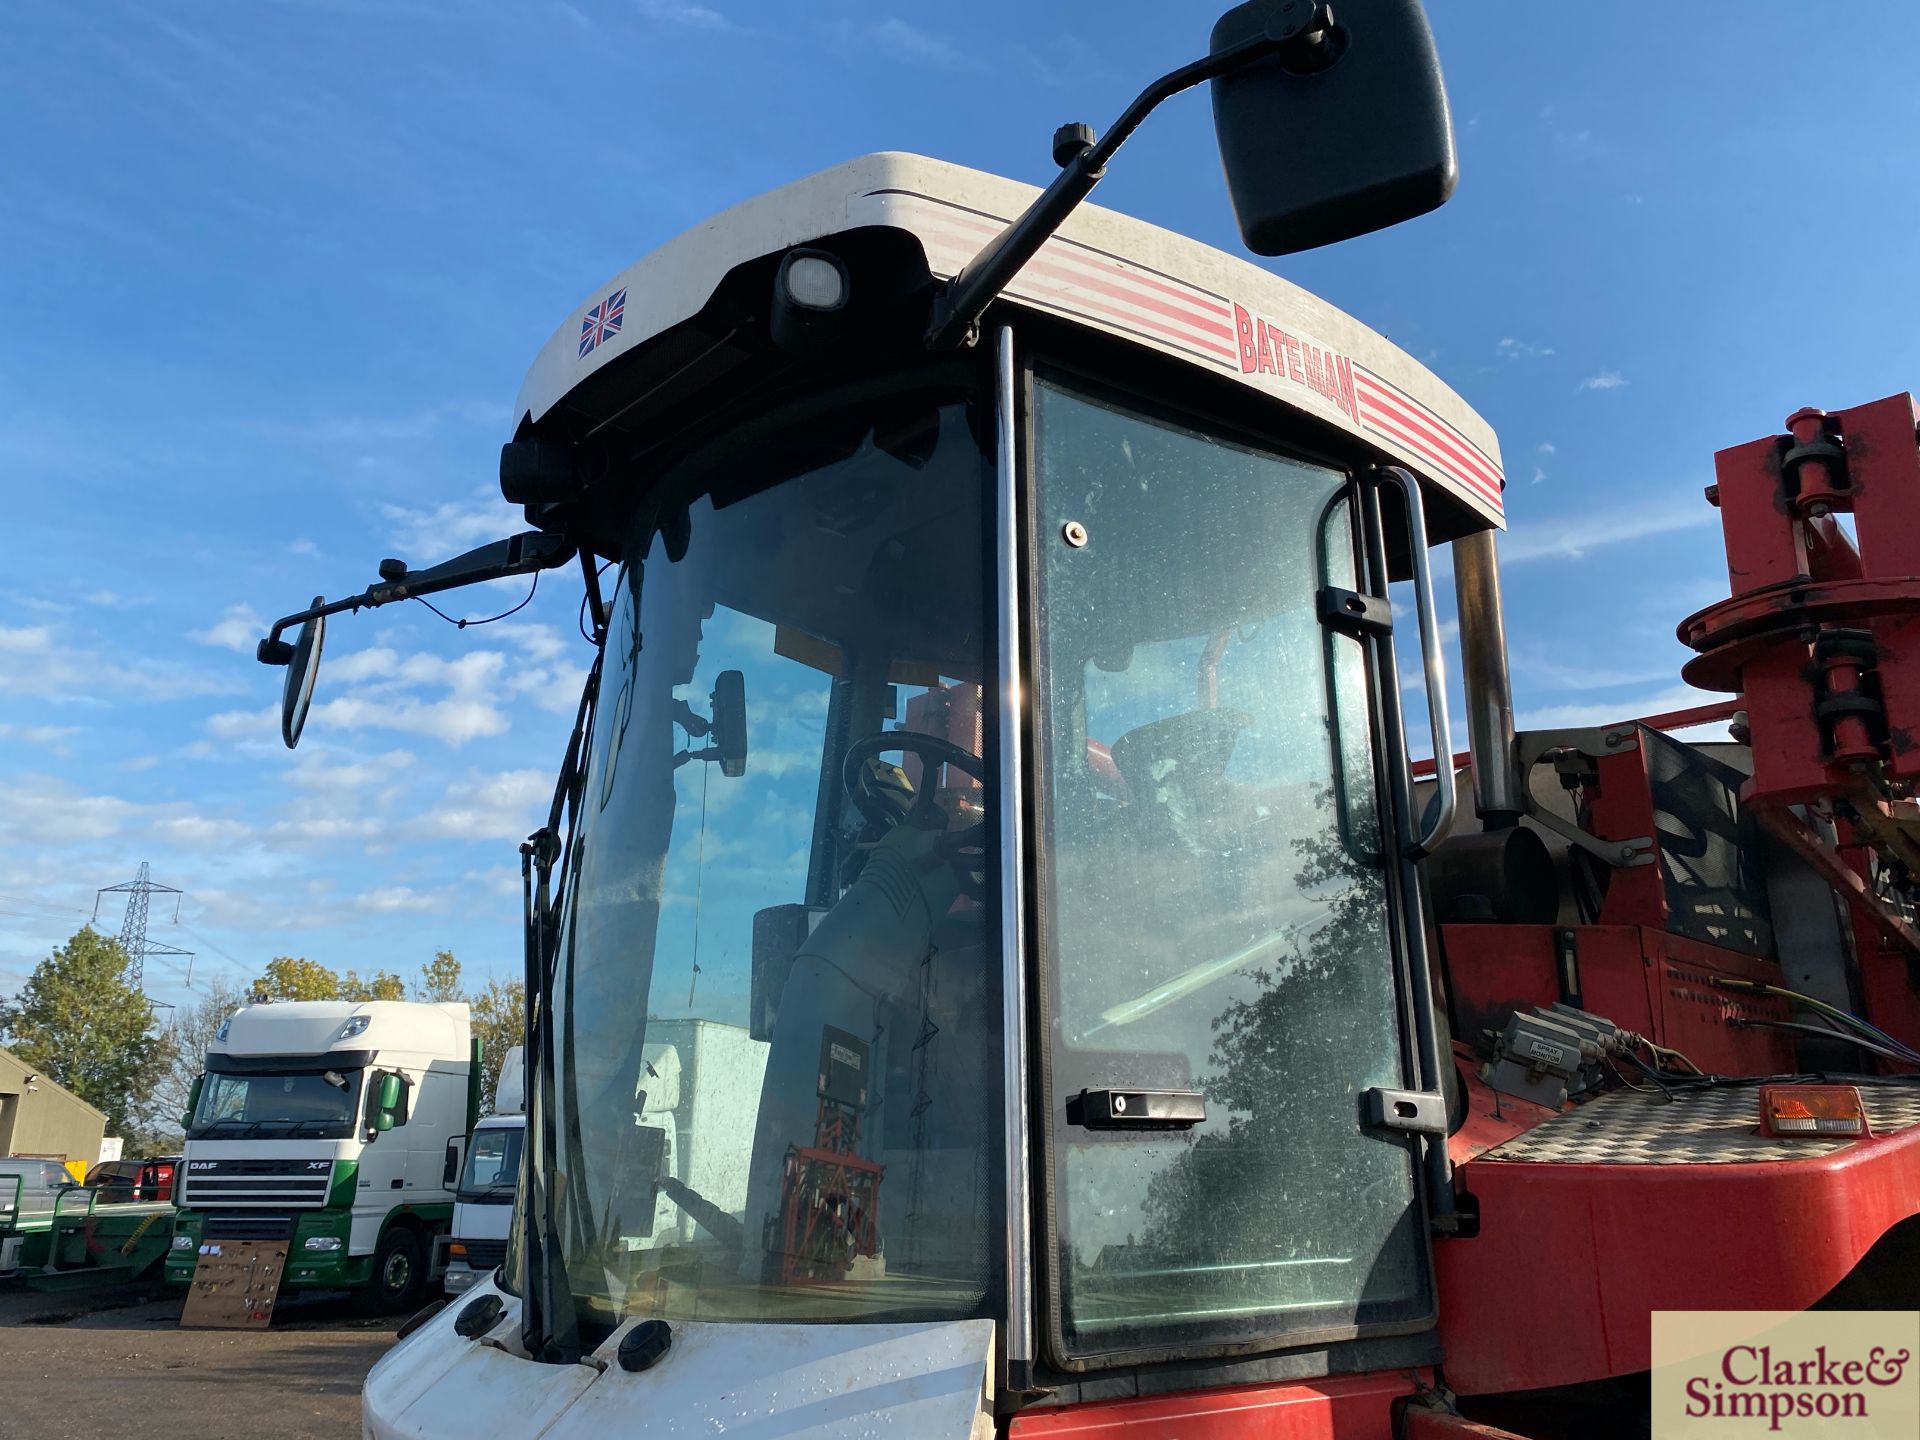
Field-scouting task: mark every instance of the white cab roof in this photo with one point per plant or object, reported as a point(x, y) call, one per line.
point(1122, 276)
point(312, 1027)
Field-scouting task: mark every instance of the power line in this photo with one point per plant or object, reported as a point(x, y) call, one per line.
point(133, 930)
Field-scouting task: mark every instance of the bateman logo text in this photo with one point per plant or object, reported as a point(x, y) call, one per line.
point(1267, 349)
point(1753, 1382)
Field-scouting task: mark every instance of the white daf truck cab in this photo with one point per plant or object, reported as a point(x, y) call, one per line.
point(489, 1181)
point(337, 1126)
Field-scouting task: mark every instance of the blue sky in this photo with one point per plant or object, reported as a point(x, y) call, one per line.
point(270, 274)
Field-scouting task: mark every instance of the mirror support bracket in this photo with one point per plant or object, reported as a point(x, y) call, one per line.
point(519, 555)
point(958, 308)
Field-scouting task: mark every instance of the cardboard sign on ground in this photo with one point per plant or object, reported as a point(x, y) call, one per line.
point(234, 1284)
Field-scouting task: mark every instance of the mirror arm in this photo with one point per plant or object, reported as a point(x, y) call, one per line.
point(957, 310)
point(519, 555)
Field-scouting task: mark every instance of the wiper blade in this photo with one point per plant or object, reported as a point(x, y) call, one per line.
point(299, 1125)
point(249, 1126)
point(480, 1194)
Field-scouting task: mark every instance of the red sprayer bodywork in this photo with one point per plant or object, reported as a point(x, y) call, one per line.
point(1821, 636)
point(1820, 642)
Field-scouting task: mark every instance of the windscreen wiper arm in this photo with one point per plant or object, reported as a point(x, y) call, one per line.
point(252, 1127)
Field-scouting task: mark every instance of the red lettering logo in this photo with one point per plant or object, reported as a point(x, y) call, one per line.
point(1267, 349)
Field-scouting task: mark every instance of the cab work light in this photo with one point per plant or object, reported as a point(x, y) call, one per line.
point(810, 295)
point(1808, 1112)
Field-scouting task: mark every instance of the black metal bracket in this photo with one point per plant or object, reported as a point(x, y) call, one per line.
point(1352, 613)
point(1417, 1111)
point(518, 555)
point(958, 308)
point(1566, 955)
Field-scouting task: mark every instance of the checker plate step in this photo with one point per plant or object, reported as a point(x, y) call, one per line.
point(1699, 1127)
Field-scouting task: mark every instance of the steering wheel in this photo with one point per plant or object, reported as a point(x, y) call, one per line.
point(932, 749)
point(965, 847)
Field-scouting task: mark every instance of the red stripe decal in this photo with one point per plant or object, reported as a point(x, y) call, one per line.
point(1215, 325)
point(1436, 432)
point(1073, 250)
point(1084, 284)
point(1488, 466)
point(1427, 449)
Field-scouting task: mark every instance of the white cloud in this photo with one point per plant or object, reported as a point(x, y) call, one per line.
point(374, 663)
point(45, 812)
point(35, 664)
point(1605, 380)
point(312, 772)
point(1568, 537)
point(1540, 671)
point(1545, 447)
point(244, 724)
point(26, 639)
point(50, 735)
point(682, 12)
point(1522, 350)
point(499, 805)
point(542, 644)
point(360, 431)
point(400, 899)
point(239, 628)
point(303, 546)
point(427, 537)
point(895, 39)
point(502, 880)
point(473, 684)
point(1660, 702)
point(450, 721)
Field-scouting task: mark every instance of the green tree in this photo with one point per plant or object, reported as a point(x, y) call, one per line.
point(499, 1023)
point(380, 985)
point(188, 1035)
point(440, 979)
point(81, 1023)
point(290, 978)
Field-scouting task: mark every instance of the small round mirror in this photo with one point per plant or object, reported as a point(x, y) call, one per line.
point(302, 670)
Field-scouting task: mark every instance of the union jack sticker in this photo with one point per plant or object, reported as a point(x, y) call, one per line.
point(602, 321)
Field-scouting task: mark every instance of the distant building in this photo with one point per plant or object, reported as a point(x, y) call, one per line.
point(38, 1117)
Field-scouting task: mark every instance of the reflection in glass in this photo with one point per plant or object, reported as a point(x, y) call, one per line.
point(1208, 928)
point(777, 1057)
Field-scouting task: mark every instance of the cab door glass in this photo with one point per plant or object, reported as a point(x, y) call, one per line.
point(1214, 923)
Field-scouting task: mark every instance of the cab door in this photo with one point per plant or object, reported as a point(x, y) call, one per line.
point(1219, 986)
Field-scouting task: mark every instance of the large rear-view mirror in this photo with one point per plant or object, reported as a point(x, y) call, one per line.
point(730, 722)
point(1342, 130)
point(296, 696)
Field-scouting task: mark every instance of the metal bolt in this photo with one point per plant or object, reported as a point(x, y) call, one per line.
point(1074, 533)
point(1626, 852)
point(1070, 142)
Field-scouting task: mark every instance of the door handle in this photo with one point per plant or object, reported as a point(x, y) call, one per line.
point(1433, 665)
point(1137, 1109)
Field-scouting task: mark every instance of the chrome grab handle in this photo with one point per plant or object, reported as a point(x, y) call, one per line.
point(1433, 664)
